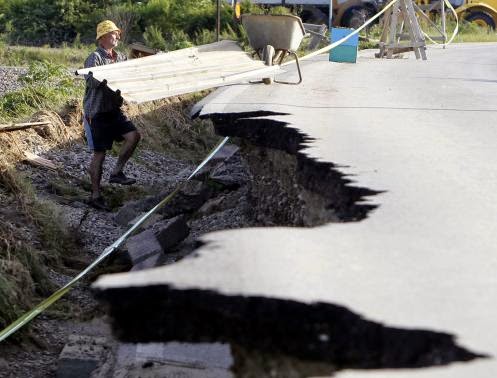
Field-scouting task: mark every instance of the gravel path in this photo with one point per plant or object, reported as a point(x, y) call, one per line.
point(37, 356)
point(8, 78)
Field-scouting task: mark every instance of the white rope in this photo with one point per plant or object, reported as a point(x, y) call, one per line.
point(454, 33)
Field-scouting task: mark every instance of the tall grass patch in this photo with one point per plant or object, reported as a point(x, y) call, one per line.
point(46, 86)
point(167, 128)
point(33, 239)
point(33, 235)
point(12, 55)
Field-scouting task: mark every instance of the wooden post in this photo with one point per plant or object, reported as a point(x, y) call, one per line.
point(21, 126)
point(401, 16)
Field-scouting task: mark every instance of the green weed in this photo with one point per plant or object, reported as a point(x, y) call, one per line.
point(118, 196)
point(65, 189)
point(46, 86)
point(27, 251)
point(167, 128)
point(471, 32)
point(25, 55)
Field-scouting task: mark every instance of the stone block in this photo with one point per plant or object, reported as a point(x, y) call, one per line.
point(81, 356)
point(202, 360)
point(171, 232)
point(147, 263)
point(225, 153)
point(154, 218)
point(126, 214)
point(131, 210)
point(231, 173)
point(211, 206)
point(190, 198)
point(143, 246)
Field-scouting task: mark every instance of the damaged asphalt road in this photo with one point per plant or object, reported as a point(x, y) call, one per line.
point(417, 140)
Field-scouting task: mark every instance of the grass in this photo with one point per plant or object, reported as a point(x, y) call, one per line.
point(54, 236)
point(16, 285)
point(33, 237)
point(468, 32)
point(25, 55)
point(118, 196)
point(27, 251)
point(47, 85)
point(167, 128)
point(63, 188)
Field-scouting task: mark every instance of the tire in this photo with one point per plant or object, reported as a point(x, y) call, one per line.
point(314, 15)
point(355, 17)
point(481, 19)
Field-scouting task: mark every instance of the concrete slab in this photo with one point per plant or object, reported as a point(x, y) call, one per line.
point(144, 250)
point(173, 360)
point(171, 232)
point(423, 134)
point(81, 356)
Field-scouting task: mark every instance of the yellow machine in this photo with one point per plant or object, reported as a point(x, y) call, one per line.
point(482, 12)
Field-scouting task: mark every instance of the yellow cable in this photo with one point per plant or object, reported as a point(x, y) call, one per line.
point(27, 317)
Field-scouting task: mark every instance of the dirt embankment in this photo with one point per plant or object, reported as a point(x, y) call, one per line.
point(48, 234)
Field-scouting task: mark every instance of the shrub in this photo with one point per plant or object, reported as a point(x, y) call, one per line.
point(153, 38)
point(125, 16)
point(178, 40)
point(38, 22)
point(3, 9)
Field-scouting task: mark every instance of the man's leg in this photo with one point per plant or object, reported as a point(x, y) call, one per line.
point(131, 140)
point(95, 170)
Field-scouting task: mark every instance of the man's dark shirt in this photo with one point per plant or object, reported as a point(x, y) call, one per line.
point(99, 98)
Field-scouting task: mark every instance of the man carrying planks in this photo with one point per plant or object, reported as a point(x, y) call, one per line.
point(104, 120)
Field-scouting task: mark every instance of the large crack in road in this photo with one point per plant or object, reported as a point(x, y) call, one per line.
point(197, 299)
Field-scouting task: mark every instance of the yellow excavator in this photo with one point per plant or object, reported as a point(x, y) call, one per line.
point(352, 13)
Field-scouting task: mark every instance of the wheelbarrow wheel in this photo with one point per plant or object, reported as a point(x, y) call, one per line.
point(267, 56)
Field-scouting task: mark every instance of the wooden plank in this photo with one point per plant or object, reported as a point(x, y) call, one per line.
point(164, 70)
point(224, 47)
point(180, 72)
point(173, 64)
point(21, 126)
point(162, 91)
point(148, 82)
point(38, 161)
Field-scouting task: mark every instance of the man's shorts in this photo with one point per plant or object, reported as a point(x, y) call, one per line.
point(105, 128)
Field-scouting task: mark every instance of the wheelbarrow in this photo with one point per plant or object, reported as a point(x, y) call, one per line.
point(275, 37)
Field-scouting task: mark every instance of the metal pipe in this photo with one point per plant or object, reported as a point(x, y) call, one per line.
point(444, 30)
point(330, 17)
point(218, 20)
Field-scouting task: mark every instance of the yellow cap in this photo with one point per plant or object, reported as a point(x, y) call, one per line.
point(105, 27)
